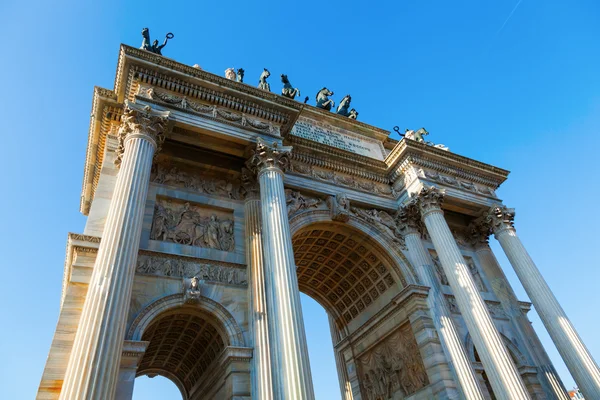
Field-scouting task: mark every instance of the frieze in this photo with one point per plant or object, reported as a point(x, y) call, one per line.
point(457, 183)
point(204, 270)
point(178, 177)
point(345, 180)
point(192, 225)
point(393, 368)
point(211, 111)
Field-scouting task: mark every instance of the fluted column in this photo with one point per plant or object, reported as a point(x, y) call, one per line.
point(411, 227)
point(289, 353)
point(479, 232)
point(499, 367)
point(262, 387)
point(342, 371)
point(94, 361)
point(576, 356)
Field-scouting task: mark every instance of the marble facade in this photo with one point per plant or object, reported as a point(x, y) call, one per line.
point(212, 204)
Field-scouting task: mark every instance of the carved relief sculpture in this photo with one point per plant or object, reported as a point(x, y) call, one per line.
point(394, 368)
point(174, 176)
point(382, 220)
point(297, 202)
point(340, 207)
point(192, 226)
point(208, 271)
point(475, 274)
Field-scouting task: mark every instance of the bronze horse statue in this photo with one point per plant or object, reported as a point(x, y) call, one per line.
point(288, 90)
point(323, 100)
point(344, 106)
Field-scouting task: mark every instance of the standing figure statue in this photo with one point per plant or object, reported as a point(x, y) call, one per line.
point(344, 106)
point(262, 81)
point(288, 90)
point(230, 74)
point(323, 100)
point(155, 47)
point(240, 75)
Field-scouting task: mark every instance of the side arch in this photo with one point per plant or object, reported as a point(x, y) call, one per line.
point(393, 254)
point(208, 308)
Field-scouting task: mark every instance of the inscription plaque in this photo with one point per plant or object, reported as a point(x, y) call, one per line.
point(338, 138)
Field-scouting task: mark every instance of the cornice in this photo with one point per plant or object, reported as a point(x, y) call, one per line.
point(104, 109)
point(411, 152)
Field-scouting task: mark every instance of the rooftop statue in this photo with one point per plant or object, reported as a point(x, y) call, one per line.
point(240, 75)
point(262, 81)
point(344, 106)
point(288, 90)
point(306, 99)
point(323, 100)
point(154, 47)
point(418, 136)
point(353, 114)
point(230, 74)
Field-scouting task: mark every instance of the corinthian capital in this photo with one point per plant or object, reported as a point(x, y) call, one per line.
point(141, 120)
point(430, 199)
point(479, 232)
point(267, 155)
point(500, 218)
point(409, 219)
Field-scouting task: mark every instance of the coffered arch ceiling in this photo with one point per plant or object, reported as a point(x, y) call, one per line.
point(183, 344)
point(341, 268)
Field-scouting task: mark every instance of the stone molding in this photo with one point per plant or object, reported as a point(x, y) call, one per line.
point(141, 120)
point(268, 156)
point(214, 112)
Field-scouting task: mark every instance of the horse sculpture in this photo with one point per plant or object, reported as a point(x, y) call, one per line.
point(353, 114)
point(262, 81)
point(323, 100)
point(154, 47)
point(240, 75)
point(344, 106)
point(230, 74)
point(288, 90)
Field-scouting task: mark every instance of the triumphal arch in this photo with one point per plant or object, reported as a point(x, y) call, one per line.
point(211, 204)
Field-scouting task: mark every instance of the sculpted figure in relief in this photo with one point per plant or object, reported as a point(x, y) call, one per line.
point(185, 225)
point(393, 369)
point(340, 207)
point(476, 275)
point(296, 202)
point(381, 219)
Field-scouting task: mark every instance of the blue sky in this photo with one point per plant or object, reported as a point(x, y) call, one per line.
point(522, 94)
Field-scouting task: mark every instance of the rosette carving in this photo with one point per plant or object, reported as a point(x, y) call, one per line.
point(140, 119)
point(266, 155)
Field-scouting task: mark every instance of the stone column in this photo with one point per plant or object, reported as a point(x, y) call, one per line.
point(345, 388)
point(289, 355)
point(262, 386)
point(503, 375)
point(133, 352)
point(411, 226)
point(479, 232)
point(577, 357)
point(93, 366)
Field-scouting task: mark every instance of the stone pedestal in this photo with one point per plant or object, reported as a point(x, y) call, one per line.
point(93, 366)
point(576, 356)
point(289, 354)
point(442, 318)
point(500, 369)
point(262, 387)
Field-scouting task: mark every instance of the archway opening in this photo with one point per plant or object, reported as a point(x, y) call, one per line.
point(183, 345)
point(351, 277)
point(157, 388)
